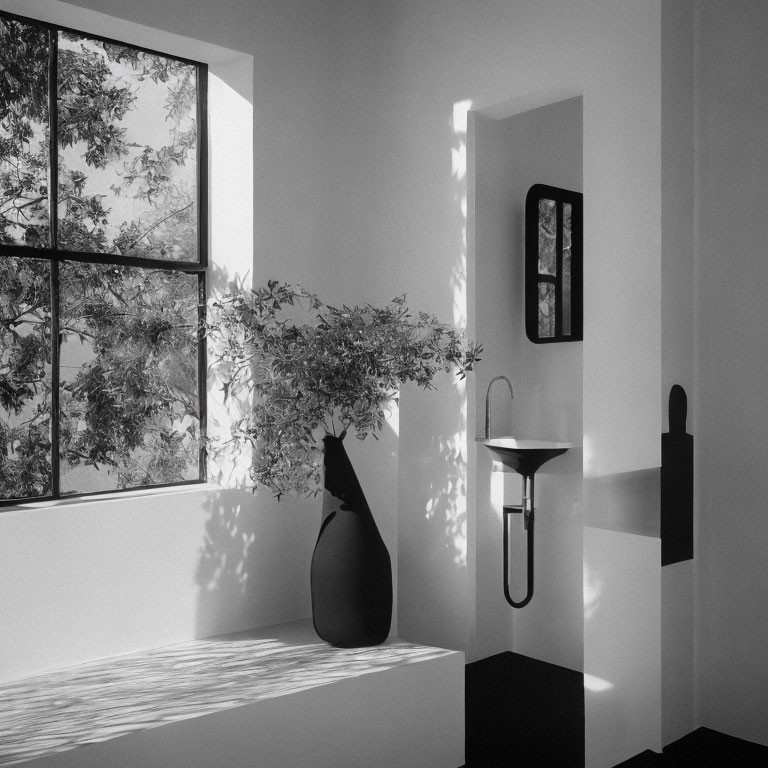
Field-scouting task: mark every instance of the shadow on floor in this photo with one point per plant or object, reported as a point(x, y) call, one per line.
point(523, 712)
point(530, 714)
point(701, 748)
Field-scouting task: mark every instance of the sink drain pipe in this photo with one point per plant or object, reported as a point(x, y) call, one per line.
point(527, 509)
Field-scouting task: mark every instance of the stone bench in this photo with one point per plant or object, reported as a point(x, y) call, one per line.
point(277, 696)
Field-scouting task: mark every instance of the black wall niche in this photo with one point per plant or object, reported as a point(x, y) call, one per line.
point(676, 483)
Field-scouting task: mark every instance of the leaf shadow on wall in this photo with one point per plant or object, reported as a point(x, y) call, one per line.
point(442, 509)
point(253, 568)
point(218, 279)
point(432, 556)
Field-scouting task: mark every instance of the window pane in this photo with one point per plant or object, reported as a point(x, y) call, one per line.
point(24, 151)
point(25, 378)
point(127, 135)
point(129, 388)
point(547, 237)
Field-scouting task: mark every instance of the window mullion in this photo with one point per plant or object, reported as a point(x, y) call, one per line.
point(55, 379)
point(559, 269)
point(53, 114)
point(202, 250)
point(95, 257)
point(202, 369)
point(202, 164)
point(53, 222)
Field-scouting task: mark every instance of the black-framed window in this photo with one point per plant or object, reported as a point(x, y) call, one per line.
point(553, 264)
point(103, 255)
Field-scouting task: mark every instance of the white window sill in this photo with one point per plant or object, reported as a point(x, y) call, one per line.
point(138, 493)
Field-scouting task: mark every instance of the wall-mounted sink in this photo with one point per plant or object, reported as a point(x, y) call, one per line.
point(524, 456)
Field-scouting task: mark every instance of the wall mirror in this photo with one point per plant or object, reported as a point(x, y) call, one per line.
point(553, 264)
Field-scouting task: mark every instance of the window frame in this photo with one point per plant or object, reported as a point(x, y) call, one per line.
point(56, 256)
point(533, 278)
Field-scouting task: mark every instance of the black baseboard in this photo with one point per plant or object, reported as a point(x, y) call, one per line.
point(523, 712)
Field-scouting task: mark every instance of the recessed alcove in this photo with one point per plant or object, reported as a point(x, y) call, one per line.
point(513, 150)
point(512, 146)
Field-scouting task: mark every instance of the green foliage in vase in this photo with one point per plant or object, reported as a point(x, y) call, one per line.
point(339, 369)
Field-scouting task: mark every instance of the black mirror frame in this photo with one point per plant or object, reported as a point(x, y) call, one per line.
point(575, 199)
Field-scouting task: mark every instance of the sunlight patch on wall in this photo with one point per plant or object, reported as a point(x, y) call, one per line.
point(596, 684)
point(458, 124)
point(393, 418)
point(497, 490)
point(447, 503)
point(231, 176)
point(231, 240)
point(587, 455)
point(593, 588)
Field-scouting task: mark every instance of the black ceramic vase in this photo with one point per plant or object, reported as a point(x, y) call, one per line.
point(351, 575)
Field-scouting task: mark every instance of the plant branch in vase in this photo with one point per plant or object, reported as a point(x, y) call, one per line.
point(310, 382)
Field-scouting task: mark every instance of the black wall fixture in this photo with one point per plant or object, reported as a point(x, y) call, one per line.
point(553, 264)
point(676, 483)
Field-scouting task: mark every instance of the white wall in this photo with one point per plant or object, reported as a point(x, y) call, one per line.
point(488, 54)
point(450, 58)
point(677, 336)
point(543, 145)
point(99, 578)
point(622, 641)
point(731, 367)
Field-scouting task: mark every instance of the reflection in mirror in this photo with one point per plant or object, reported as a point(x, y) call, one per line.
point(553, 264)
point(547, 237)
point(546, 310)
point(547, 260)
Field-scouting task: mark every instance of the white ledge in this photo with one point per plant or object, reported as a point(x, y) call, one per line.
point(92, 703)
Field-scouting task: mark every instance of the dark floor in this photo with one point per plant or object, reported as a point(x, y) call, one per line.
point(701, 749)
point(525, 713)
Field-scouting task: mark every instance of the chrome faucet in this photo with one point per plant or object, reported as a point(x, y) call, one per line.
point(488, 403)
